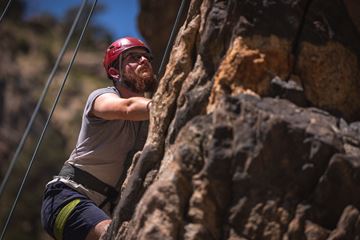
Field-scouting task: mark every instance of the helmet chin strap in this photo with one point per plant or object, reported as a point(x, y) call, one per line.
point(120, 69)
point(120, 80)
point(125, 84)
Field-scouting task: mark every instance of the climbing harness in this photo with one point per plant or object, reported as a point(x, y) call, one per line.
point(48, 119)
point(89, 181)
point(111, 194)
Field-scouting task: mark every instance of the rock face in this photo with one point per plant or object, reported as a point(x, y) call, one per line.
point(254, 130)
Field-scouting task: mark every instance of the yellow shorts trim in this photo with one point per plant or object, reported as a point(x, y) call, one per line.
point(62, 217)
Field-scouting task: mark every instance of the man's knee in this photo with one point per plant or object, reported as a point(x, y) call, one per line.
point(99, 229)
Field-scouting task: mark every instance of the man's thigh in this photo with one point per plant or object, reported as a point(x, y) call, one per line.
point(83, 219)
point(67, 214)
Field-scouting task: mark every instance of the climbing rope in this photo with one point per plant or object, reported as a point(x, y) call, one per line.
point(49, 117)
point(41, 99)
point(172, 36)
point(5, 10)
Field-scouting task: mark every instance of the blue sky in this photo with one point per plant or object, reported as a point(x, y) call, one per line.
point(119, 16)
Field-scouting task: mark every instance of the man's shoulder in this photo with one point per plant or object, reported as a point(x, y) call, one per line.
point(104, 90)
point(100, 91)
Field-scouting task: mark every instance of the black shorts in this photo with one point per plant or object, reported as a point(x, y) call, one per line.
point(68, 214)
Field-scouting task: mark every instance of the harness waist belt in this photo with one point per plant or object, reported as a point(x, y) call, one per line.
point(89, 181)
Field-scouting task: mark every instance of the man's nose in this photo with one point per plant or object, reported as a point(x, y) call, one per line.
point(143, 59)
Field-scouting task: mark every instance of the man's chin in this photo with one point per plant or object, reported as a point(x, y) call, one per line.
point(141, 83)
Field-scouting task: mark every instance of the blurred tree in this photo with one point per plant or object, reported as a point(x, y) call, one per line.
point(15, 11)
point(95, 34)
point(29, 48)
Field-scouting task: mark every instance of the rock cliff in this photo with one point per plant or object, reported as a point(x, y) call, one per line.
point(254, 130)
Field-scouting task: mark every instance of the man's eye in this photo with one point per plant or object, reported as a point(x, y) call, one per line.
point(137, 56)
point(134, 57)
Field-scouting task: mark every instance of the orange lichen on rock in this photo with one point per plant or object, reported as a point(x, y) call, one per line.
point(246, 69)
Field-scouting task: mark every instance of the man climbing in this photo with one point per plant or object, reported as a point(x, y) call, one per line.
point(77, 203)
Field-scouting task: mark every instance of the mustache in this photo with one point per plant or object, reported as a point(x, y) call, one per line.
point(141, 84)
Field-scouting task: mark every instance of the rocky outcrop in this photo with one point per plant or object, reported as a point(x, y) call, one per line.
point(258, 169)
point(254, 130)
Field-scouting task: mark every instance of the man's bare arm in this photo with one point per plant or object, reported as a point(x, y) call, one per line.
point(109, 106)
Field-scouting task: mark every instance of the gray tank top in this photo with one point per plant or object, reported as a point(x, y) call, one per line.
point(103, 145)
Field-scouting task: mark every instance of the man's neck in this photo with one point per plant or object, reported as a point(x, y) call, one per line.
point(126, 92)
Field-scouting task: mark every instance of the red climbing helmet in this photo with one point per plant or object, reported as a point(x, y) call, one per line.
point(118, 47)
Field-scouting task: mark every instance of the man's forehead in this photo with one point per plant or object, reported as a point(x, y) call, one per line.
point(132, 50)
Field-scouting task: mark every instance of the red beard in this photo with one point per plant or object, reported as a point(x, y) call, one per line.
point(140, 84)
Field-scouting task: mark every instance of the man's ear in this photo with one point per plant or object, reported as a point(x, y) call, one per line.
point(114, 73)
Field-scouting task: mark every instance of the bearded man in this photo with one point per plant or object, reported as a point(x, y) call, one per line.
point(78, 202)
